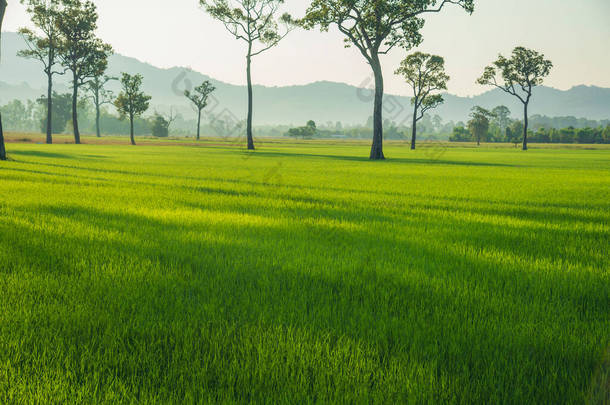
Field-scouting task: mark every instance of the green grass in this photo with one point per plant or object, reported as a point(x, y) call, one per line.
point(303, 273)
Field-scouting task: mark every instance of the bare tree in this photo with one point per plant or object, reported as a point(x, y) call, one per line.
point(256, 23)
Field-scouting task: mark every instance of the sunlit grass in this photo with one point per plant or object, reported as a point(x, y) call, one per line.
point(303, 273)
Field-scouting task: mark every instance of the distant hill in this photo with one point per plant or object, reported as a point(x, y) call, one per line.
point(320, 101)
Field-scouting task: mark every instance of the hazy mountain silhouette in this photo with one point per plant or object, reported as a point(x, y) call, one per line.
point(320, 101)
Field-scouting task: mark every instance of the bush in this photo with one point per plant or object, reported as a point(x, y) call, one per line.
point(159, 126)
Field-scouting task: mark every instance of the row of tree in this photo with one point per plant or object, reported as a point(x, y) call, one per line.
point(374, 28)
point(478, 131)
point(64, 41)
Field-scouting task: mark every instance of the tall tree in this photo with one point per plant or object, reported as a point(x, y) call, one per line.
point(100, 97)
point(199, 97)
point(257, 23)
point(479, 123)
point(518, 75)
point(82, 53)
point(43, 46)
point(3, 5)
point(374, 27)
point(132, 102)
point(426, 75)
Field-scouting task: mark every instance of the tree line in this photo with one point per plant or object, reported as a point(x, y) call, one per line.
point(375, 28)
point(497, 126)
point(64, 41)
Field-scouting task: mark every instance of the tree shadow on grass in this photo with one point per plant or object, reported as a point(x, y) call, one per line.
point(44, 154)
point(389, 160)
point(259, 313)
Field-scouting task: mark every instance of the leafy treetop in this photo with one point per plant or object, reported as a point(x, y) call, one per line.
point(377, 26)
point(251, 20)
point(425, 73)
point(519, 74)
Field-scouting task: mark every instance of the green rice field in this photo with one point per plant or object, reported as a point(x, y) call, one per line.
point(304, 273)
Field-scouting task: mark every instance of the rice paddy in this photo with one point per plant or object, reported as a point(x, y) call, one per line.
point(304, 273)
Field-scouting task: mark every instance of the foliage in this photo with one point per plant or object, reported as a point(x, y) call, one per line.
point(170, 273)
point(479, 123)
point(426, 75)
point(45, 44)
point(85, 55)
point(199, 97)
point(159, 126)
point(375, 27)
point(131, 102)
point(500, 116)
point(518, 74)
point(253, 21)
point(98, 93)
point(308, 131)
point(62, 111)
point(256, 22)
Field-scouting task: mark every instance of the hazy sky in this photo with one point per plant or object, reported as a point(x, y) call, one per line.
point(575, 35)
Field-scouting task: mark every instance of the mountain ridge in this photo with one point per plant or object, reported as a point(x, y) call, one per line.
point(323, 100)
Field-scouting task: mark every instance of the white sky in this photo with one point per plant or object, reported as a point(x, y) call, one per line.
point(575, 35)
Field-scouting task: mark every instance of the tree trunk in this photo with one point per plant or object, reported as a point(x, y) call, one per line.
point(377, 147)
point(50, 108)
point(3, 5)
point(75, 112)
point(2, 149)
point(249, 123)
point(199, 125)
point(525, 124)
point(98, 130)
point(414, 129)
point(133, 141)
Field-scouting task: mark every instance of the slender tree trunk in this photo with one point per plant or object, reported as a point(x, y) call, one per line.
point(199, 125)
point(525, 125)
point(75, 112)
point(377, 147)
point(50, 108)
point(3, 5)
point(2, 149)
point(133, 141)
point(414, 129)
point(97, 120)
point(249, 123)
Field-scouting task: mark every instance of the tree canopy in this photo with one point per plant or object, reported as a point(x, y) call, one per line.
point(200, 95)
point(426, 75)
point(132, 102)
point(374, 27)
point(518, 75)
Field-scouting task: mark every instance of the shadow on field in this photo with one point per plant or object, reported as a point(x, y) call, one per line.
point(389, 160)
point(37, 153)
point(266, 312)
